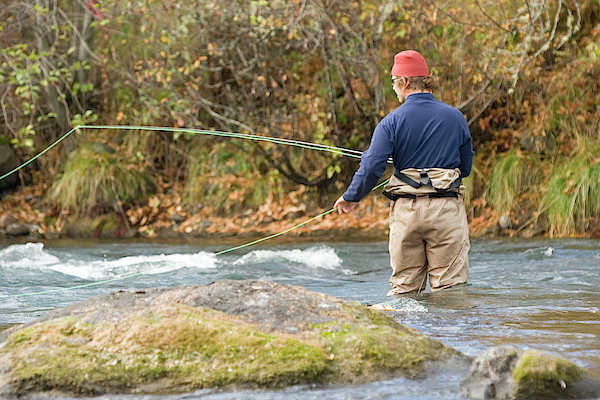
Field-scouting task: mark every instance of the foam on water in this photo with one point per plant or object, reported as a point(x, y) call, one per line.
point(32, 255)
point(320, 256)
point(29, 255)
point(541, 252)
point(155, 264)
point(406, 304)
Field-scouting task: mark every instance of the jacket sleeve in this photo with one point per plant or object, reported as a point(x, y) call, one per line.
point(466, 152)
point(373, 163)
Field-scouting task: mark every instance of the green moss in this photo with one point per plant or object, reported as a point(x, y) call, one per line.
point(377, 347)
point(105, 223)
point(50, 221)
point(194, 348)
point(541, 374)
point(20, 336)
point(152, 317)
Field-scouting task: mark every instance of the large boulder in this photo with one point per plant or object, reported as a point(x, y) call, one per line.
point(508, 373)
point(229, 333)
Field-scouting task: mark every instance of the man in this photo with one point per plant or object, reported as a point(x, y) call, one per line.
point(430, 144)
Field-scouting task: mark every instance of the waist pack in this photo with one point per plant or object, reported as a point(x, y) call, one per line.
point(425, 181)
point(446, 179)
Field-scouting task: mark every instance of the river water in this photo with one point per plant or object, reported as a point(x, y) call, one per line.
point(542, 294)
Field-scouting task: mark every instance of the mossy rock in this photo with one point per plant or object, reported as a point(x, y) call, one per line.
point(176, 340)
point(104, 226)
point(540, 375)
point(509, 373)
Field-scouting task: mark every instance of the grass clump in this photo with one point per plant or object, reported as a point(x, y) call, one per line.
point(572, 194)
point(538, 374)
point(227, 180)
point(472, 182)
point(90, 180)
point(513, 175)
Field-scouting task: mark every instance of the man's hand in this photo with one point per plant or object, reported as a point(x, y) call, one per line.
point(344, 206)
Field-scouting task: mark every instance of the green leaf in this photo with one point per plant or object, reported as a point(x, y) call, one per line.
point(400, 33)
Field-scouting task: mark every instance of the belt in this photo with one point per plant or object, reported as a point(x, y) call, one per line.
point(395, 197)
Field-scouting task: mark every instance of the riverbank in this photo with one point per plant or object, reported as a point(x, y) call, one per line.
point(25, 213)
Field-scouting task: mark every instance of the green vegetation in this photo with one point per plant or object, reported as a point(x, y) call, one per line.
point(524, 75)
point(189, 347)
point(228, 180)
point(513, 179)
point(572, 197)
point(539, 374)
point(194, 348)
point(90, 180)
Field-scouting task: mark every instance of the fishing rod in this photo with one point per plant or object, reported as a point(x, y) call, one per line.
point(282, 141)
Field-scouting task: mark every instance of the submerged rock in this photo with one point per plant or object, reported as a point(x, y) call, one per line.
point(17, 230)
point(508, 373)
point(229, 333)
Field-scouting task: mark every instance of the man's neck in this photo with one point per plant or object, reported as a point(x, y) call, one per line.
point(408, 93)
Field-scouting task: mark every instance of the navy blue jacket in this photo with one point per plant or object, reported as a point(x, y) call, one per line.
point(421, 133)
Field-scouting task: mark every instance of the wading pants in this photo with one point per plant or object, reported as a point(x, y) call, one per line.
point(428, 236)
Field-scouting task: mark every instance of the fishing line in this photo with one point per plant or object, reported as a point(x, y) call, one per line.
point(270, 139)
point(161, 268)
point(39, 155)
point(282, 141)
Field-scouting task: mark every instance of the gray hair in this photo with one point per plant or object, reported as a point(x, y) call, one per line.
point(418, 82)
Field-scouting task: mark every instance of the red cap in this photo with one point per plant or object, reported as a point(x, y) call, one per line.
point(409, 63)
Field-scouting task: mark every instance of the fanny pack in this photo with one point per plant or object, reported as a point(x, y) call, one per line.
point(435, 182)
point(425, 180)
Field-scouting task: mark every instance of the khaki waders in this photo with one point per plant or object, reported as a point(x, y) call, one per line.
point(429, 236)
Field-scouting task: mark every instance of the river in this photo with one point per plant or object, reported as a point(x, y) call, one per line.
point(542, 294)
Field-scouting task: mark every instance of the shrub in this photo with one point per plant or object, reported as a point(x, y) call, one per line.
point(572, 195)
point(90, 180)
point(513, 176)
